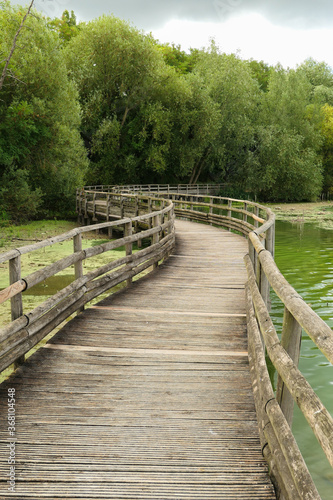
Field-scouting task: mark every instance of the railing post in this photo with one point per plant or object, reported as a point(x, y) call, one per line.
point(16, 302)
point(78, 266)
point(191, 203)
point(86, 216)
point(256, 212)
point(270, 239)
point(229, 210)
point(94, 208)
point(121, 207)
point(245, 215)
point(78, 205)
point(149, 211)
point(136, 225)
point(264, 286)
point(156, 236)
point(108, 205)
point(291, 341)
point(252, 255)
point(210, 208)
point(128, 246)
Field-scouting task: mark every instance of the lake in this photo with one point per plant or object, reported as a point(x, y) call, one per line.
point(304, 254)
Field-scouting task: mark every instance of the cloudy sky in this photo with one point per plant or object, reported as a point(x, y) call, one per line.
point(275, 31)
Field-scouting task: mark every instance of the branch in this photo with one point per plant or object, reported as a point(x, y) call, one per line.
point(10, 74)
point(3, 76)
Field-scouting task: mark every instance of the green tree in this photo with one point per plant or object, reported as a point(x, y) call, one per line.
point(235, 92)
point(138, 111)
point(327, 148)
point(66, 27)
point(182, 61)
point(284, 162)
point(261, 72)
point(39, 113)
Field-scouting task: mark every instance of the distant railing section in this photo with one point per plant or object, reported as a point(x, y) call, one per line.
point(233, 214)
point(154, 221)
point(290, 475)
point(160, 188)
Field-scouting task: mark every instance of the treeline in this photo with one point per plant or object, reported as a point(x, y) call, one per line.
point(104, 103)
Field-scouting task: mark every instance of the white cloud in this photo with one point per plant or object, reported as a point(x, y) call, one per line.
point(255, 37)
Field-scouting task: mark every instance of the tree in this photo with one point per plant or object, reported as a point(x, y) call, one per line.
point(281, 168)
point(66, 27)
point(233, 89)
point(177, 58)
point(39, 114)
point(131, 101)
point(327, 148)
point(284, 163)
point(261, 72)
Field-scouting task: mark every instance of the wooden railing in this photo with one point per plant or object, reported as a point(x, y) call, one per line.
point(151, 216)
point(160, 188)
point(289, 473)
point(28, 328)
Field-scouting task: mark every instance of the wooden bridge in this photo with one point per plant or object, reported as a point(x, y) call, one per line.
point(160, 390)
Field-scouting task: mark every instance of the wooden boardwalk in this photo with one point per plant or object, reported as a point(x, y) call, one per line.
point(148, 394)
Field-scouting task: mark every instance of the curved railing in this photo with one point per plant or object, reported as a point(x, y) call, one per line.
point(151, 216)
point(28, 328)
point(290, 475)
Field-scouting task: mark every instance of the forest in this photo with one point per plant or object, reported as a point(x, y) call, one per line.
point(105, 103)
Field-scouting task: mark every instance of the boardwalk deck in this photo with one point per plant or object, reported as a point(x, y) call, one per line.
point(146, 395)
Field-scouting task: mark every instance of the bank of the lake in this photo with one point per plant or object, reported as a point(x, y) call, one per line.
point(318, 213)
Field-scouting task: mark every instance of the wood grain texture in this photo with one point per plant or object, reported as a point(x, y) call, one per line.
point(146, 395)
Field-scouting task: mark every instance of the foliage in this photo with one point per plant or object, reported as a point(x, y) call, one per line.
point(261, 72)
point(180, 60)
point(141, 117)
point(17, 200)
point(66, 27)
point(327, 149)
point(231, 86)
point(103, 102)
point(281, 168)
point(39, 114)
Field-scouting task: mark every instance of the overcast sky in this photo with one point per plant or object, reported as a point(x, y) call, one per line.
point(285, 31)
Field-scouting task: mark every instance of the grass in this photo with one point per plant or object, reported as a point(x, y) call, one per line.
point(13, 236)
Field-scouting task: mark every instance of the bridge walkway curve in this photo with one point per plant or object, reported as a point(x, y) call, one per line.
point(147, 394)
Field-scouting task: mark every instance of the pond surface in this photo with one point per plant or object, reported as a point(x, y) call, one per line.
point(304, 254)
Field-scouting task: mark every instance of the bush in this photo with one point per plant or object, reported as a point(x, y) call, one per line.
point(17, 200)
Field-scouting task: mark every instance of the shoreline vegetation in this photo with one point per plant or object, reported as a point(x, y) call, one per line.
point(319, 213)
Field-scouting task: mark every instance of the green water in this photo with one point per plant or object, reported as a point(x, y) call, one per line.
point(304, 254)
